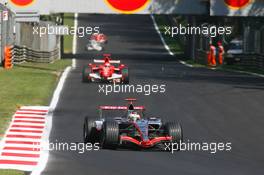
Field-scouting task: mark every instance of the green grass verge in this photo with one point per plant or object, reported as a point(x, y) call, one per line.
point(241, 68)
point(174, 43)
point(11, 172)
point(194, 63)
point(26, 84)
point(68, 21)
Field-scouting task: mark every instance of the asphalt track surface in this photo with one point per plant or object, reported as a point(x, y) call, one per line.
point(212, 106)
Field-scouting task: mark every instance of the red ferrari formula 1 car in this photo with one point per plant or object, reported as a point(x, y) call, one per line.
point(106, 70)
point(127, 125)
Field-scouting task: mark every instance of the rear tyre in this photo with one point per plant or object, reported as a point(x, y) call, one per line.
point(175, 131)
point(110, 135)
point(125, 75)
point(90, 134)
point(87, 47)
point(85, 74)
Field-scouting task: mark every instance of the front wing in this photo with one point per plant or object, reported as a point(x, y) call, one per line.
point(145, 143)
point(114, 77)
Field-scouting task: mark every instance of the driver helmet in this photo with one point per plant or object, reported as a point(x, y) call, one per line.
point(133, 116)
point(107, 64)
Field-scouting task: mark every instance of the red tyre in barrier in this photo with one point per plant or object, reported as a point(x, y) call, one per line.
point(8, 57)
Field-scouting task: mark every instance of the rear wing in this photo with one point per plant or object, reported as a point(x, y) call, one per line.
point(111, 61)
point(120, 107)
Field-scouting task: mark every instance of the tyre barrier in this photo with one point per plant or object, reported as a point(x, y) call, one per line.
point(8, 61)
point(18, 54)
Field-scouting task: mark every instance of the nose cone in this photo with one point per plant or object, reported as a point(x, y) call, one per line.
point(146, 143)
point(106, 72)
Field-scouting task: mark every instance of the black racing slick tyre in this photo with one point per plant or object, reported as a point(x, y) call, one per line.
point(110, 135)
point(85, 74)
point(125, 75)
point(90, 135)
point(175, 131)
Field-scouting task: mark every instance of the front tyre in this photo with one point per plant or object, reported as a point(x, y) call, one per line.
point(110, 135)
point(90, 134)
point(175, 131)
point(86, 74)
point(125, 76)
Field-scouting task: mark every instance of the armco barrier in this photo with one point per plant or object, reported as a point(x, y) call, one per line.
point(247, 60)
point(23, 53)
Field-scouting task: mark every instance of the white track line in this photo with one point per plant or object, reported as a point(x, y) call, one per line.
point(34, 107)
point(160, 35)
point(31, 129)
point(23, 139)
point(44, 157)
point(186, 64)
point(17, 158)
point(29, 112)
point(164, 42)
point(245, 72)
point(29, 115)
point(22, 152)
point(74, 42)
point(24, 133)
point(29, 124)
point(35, 146)
point(33, 119)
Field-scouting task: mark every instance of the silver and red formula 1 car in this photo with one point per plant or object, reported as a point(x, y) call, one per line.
point(106, 70)
point(127, 125)
point(97, 42)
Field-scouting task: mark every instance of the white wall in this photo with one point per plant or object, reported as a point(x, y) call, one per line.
point(219, 8)
point(99, 6)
